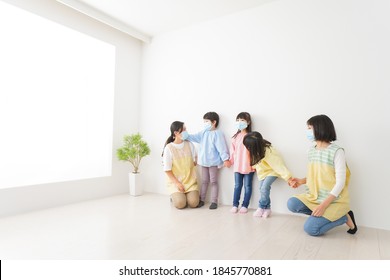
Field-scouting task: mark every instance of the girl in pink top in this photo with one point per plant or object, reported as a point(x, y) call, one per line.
point(239, 158)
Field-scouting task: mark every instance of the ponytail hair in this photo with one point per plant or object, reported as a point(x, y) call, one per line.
point(176, 126)
point(256, 146)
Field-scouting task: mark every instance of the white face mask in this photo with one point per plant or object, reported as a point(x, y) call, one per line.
point(310, 135)
point(207, 125)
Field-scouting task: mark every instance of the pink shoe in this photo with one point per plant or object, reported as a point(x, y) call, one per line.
point(267, 213)
point(243, 210)
point(234, 210)
point(258, 213)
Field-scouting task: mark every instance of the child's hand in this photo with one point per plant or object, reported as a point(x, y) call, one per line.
point(227, 163)
point(293, 182)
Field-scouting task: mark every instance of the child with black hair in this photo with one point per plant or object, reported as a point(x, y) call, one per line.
point(269, 166)
point(240, 159)
point(213, 153)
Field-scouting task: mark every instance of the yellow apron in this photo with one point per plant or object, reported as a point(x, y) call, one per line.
point(320, 180)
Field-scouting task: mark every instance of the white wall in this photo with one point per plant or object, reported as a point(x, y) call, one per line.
point(127, 86)
point(283, 62)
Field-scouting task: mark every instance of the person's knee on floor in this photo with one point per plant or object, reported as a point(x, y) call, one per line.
point(311, 230)
point(180, 204)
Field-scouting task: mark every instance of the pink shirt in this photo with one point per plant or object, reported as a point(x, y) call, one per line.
point(239, 155)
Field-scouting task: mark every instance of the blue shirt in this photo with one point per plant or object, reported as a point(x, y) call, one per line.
point(213, 150)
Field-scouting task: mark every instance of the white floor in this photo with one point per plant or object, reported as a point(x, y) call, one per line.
point(148, 227)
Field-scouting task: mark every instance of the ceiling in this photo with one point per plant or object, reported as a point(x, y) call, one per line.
point(153, 17)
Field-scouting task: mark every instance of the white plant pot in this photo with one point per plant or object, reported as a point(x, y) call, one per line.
point(135, 184)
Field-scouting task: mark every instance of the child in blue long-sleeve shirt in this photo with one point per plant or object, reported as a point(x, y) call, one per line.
point(213, 153)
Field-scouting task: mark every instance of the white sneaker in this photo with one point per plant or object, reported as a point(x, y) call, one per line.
point(267, 213)
point(258, 213)
point(243, 210)
point(234, 210)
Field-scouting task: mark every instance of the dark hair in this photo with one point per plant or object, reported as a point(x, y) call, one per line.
point(175, 126)
point(212, 116)
point(323, 128)
point(245, 116)
point(256, 146)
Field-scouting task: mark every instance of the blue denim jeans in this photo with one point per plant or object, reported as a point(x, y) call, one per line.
point(265, 189)
point(314, 226)
point(240, 180)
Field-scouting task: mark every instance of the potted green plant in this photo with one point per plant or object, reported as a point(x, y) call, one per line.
point(134, 148)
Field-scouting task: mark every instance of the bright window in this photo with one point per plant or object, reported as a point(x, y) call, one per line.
point(56, 101)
